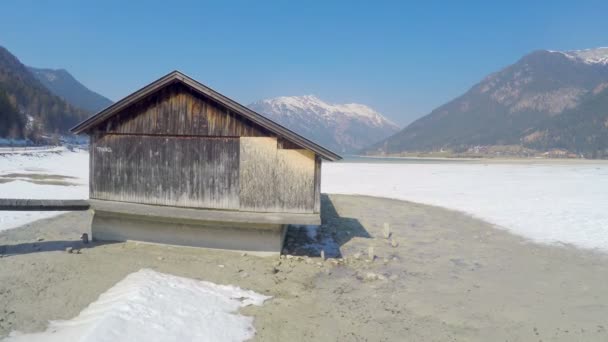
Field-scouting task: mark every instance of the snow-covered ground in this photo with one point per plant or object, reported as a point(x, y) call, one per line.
point(152, 306)
point(27, 170)
point(547, 203)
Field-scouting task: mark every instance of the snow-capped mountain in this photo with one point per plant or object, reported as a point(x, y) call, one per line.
point(340, 127)
point(546, 100)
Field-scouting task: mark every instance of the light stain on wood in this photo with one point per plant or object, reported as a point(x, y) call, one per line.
point(258, 158)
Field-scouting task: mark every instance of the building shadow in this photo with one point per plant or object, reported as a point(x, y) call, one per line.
point(330, 236)
point(48, 246)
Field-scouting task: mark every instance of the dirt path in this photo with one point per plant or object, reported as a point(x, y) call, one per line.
point(441, 276)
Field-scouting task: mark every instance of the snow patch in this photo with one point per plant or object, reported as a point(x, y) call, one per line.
point(588, 56)
point(52, 161)
point(152, 306)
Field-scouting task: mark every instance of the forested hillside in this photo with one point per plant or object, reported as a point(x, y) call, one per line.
point(27, 108)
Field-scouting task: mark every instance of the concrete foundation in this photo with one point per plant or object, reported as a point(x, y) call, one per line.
point(254, 233)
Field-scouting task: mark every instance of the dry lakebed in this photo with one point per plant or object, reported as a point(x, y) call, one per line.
point(393, 271)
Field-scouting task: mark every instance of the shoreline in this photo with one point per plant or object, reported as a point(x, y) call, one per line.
point(443, 275)
point(480, 160)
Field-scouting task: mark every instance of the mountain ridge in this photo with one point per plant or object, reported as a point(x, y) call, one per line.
point(345, 128)
point(509, 105)
point(29, 109)
point(61, 83)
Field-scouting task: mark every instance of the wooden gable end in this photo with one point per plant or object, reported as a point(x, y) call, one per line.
point(178, 110)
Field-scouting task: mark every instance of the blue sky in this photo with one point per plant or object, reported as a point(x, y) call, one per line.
point(402, 58)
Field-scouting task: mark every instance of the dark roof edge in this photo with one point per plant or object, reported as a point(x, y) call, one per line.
point(231, 104)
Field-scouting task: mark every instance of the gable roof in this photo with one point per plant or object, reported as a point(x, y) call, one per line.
point(236, 107)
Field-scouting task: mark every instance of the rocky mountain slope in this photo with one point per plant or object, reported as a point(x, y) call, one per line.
point(27, 108)
point(546, 100)
point(344, 128)
point(63, 84)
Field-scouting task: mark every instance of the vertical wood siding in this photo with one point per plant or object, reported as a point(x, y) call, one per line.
point(275, 180)
point(176, 110)
point(258, 158)
point(317, 205)
point(295, 177)
point(184, 171)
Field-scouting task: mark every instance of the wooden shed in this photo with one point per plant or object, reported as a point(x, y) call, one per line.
point(176, 162)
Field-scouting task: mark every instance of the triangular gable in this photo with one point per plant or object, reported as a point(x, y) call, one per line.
point(233, 106)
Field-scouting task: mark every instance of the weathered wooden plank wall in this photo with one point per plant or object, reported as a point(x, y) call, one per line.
point(317, 195)
point(178, 148)
point(295, 176)
point(274, 179)
point(176, 110)
point(184, 171)
point(258, 157)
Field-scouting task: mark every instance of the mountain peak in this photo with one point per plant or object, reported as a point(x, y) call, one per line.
point(342, 127)
point(311, 103)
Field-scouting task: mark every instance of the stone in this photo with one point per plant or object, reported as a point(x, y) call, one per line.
point(289, 256)
point(394, 243)
point(160, 258)
point(371, 276)
point(370, 253)
point(245, 254)
point(40, 239)
point(69, 250)
point(322, 255)
point(357, 256)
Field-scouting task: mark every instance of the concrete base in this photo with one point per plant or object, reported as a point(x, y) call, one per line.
point(256, 239)
point(253, 232)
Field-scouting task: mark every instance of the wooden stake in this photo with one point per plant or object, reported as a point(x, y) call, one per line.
point(387, 230)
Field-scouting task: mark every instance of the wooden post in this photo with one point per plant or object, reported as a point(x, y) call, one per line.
point(387, 230)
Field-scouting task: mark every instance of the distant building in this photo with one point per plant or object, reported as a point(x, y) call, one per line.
point(178, 163)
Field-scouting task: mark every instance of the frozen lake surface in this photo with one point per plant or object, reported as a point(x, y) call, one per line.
point(545, 202)
point(53, 173)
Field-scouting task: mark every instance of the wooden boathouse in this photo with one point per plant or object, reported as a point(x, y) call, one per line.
point(178, 163)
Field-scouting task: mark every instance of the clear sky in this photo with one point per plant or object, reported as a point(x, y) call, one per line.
point(401, 58)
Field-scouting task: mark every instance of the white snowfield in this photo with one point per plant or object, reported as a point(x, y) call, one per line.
point(548, 203)
point(151, 306)
point(50, 161)
point(589, 56)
